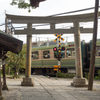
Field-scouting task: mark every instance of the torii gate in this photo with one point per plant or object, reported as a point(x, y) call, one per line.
point(76, 30)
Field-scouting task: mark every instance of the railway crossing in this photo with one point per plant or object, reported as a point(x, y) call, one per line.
point(58, 54)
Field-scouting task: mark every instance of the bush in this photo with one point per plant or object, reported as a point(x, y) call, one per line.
point(59, 74)
point(64, 75)
point(1, 71)
point(98, 73)
point(97, 78)
point(86, 75)
point(71, 75)
point(16, 77)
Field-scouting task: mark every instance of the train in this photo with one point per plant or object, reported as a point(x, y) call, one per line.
point(43, 58)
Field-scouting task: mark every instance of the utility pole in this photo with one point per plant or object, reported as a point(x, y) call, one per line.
point(66, 41)
point(93, 52)
point(5, 23)
point(7, 29)
point(11, 30)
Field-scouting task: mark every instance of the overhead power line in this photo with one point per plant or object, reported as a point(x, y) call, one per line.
point(1, 14)
point(58, 15)
point(72, 11)
point(4, 23)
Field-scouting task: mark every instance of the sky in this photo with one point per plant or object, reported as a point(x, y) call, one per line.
point(46, 8)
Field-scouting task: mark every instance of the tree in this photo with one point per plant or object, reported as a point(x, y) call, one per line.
point(35, 3)
point(21, 4)
point(16, 61)
point(26, 4)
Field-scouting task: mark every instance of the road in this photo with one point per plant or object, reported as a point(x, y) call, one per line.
point(49, 89)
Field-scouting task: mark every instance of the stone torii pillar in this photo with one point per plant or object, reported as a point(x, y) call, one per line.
point(27, 81)
point(78, 81)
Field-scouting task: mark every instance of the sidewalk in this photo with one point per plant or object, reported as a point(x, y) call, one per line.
point(49, 89)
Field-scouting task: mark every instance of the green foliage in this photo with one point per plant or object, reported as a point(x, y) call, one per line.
point(64, 75)
point(97, 77)
point(16, 61)
point(98, 73)
point(1, 71)
point(87, 75)
point(71, 75)
point(15, 76)
point(22, 4)
point(12, 72)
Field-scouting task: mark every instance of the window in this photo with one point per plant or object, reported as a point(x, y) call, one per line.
point(63, 54)
point(97, 51)
point(35, 55)
point(73, 53)
point(70, 52)
point(46, 54)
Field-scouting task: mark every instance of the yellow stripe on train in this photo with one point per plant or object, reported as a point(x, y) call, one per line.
point(55, 69)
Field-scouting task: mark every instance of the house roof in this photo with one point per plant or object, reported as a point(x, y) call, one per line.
point(9, 43)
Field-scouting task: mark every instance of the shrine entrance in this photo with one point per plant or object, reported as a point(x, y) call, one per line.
point(76, 30)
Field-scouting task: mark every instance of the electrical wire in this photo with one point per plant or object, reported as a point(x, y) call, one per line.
point(4, 23)
point(2, 14)
point(72, 11)
point(54, 15)
point(60, 14)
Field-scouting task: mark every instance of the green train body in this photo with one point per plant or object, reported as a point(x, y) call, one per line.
point(43, 65)
point(88, 54)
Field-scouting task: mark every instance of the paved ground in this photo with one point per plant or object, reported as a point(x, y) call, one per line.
point(50, 89)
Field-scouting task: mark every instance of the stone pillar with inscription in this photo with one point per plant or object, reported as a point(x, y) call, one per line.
point(78, 81)
point(28, 81)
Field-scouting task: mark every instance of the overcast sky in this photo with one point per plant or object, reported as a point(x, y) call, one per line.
point(46, 8)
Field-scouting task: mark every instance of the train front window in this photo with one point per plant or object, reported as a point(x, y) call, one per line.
point(63, 54)
point(46, 54)
point(73, 53)
point(35, 55)
point(98, 51)
point(70, 52)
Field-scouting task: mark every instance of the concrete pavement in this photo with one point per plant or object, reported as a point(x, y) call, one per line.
point(49, 89)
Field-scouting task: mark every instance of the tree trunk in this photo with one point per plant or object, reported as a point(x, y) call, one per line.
point(16, 73)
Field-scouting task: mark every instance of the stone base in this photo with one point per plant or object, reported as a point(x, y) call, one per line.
point(27, 82)
point(1, 97)
point(5, 87)
point(79, 82)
